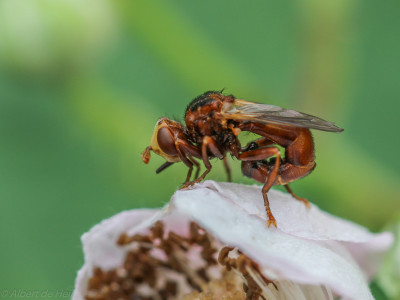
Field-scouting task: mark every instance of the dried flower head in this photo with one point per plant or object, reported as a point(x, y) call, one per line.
point(212, 242)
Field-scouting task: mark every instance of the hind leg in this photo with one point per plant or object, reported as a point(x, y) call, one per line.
point(254, 166)
point(289, 173)
point(305, 201)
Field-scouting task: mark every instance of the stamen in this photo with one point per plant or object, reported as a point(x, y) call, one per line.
point(167, 266)
point(153, 259)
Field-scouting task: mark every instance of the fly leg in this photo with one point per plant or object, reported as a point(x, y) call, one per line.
point(261, 142)
point(185, 152)
point(305, 201)
point(208, 146)
point(299, 153)
point(227, 169)
point(188, 163)
point(254, 166)
point(164, 166)
point(197, 167)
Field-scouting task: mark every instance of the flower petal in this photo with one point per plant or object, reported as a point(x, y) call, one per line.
point(294, 218)
point(100, 244)
point(305, 248)
point(309, 246)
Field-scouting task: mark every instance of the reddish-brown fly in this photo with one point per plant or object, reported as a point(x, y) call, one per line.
point(213, 123)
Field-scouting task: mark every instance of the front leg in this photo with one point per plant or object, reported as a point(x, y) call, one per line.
point(185, 159)
point(208, 145)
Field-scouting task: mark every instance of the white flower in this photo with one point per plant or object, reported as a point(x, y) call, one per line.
point(164, 253)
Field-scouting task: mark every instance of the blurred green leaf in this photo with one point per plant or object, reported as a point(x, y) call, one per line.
point(50, 36)
point(349, 182)
point(377, 292)
point(174, 36)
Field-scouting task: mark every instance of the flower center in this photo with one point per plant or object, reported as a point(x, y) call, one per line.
point(165, 265)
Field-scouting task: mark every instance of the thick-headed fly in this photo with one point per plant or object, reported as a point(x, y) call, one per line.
point(213, 123)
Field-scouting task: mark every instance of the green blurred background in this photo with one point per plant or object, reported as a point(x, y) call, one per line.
point(82, 84)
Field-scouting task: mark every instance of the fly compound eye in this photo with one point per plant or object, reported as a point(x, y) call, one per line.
point(166, 141)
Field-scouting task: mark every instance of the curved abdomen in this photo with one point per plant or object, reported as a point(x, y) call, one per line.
point(299, 153)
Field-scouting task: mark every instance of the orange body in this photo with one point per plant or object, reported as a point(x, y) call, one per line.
point(213, 122)
point(299, 153)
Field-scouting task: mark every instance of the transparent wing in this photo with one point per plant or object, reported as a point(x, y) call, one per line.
point(265, 113)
